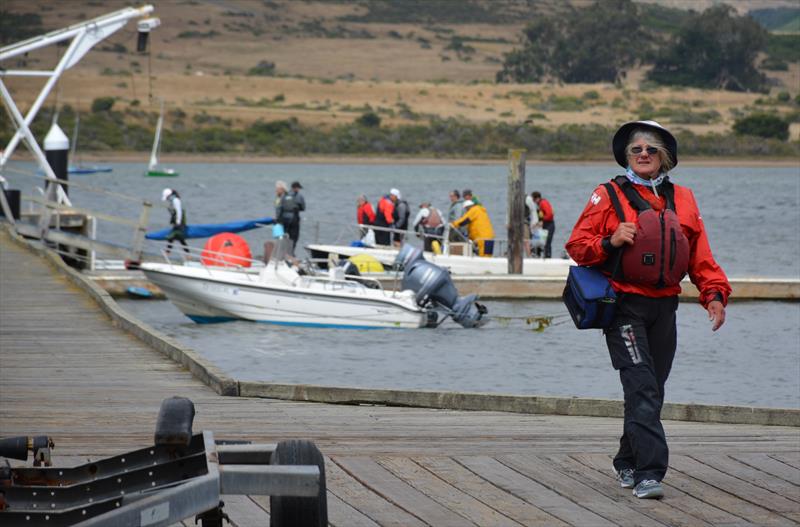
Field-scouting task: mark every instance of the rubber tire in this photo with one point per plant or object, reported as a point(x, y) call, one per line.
point(289, 511)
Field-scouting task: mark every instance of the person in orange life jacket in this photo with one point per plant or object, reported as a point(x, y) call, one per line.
point(384, 218)
point(365, 215)
point(429, 221)
point(643, 336)
point(177, 219)
point(546, 221)
point(401, 214)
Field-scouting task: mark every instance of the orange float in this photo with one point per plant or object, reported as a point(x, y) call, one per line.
point(226, 250)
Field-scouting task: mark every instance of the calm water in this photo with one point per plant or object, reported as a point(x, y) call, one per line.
point(752, 216)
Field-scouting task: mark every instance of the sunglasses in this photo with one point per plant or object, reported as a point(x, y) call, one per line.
point(636, 150)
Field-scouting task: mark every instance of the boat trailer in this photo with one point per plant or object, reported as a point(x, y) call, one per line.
point(181, 475)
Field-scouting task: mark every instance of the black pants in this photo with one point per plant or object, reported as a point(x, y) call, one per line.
point(382, 237)
point(642, 342)
point(550, 227)
point(429, 234)
point(293, 230)
point(178, 234)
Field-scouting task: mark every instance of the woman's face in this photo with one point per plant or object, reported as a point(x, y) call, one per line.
point(645, 164)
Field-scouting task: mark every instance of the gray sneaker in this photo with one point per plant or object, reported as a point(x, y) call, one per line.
point(648, 489)
point(625, 477)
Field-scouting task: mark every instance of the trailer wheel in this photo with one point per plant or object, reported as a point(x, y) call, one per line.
point(289, 511)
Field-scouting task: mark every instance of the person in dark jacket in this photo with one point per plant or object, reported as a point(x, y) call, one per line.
point(642, 338)
point(401, 214)
point(294, 228)
point(177, 219)
point(287, 211)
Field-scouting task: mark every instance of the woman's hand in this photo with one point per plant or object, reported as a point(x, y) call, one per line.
point(625, 233)
point(716, 313)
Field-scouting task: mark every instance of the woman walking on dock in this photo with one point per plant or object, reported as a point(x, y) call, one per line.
point(647, 233)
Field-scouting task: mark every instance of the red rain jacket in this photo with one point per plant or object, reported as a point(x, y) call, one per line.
point(598, 220)
point(385, 211)
point(545, 210)
point(365, 215)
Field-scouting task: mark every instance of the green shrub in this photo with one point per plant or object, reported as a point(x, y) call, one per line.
point(774, 64)
point(369, 120)
point(784, 96)
point(102, 104)
point(264, 68)
point(762, 125)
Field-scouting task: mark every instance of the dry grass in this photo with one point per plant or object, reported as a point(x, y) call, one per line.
point(387, 73)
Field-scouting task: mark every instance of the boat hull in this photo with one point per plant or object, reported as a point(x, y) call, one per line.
point(162, 173)
point(457, 265)
point(81, 170)
point(218, 296)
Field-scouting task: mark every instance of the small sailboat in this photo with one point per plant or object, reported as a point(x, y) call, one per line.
point(153, 169)
point(80, 168)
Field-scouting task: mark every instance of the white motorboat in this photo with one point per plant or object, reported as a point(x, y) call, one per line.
point(456, 264)
point(277, 293)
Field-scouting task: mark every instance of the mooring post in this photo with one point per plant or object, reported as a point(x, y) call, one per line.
point(516, 209)
point(138, 236)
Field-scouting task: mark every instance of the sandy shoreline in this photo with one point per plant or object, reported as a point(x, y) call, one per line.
point(133, 157)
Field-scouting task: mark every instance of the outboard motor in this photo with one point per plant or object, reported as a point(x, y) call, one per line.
point(433, 286)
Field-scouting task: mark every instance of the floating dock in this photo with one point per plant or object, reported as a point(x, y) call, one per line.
point(493, 287)
point(69, 370)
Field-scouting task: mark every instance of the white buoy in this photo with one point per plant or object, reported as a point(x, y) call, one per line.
point(56, 151)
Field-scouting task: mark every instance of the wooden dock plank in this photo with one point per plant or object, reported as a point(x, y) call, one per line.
point(747, 511)
point(445, 493)
point(733, 485)
point(373, 475)
point(244, 512)
point(363, 499)
point(531, 491)
point(686, 503)
point(518, 510)
point(770, 465)
point(577, 491)
point(66, 371)
point(752, 475)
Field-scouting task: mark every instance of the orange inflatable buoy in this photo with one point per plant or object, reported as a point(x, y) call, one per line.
point(226, 250)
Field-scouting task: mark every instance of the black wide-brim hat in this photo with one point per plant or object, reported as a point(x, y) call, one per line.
point(621, 138)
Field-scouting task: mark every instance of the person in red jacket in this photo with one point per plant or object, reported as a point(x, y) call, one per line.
point(546, 221)
point(643, 336)
point(365, 215)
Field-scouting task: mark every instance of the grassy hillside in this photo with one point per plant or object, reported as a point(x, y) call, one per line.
point(323, 64)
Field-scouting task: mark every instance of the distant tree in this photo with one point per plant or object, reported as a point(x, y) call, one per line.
point(264, 68)
point(102, 104)
point(369, 120)
point(15, 27)
point(593, 44)
point(762, 125)
point(714, 49)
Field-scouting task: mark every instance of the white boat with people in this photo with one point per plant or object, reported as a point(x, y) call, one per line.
point(219, 287)
point(459, 258)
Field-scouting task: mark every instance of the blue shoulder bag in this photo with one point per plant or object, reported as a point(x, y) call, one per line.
point(588, 295)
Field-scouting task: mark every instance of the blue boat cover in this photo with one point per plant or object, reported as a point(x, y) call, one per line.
point(207, 230)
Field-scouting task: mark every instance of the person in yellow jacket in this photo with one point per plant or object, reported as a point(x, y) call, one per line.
point(479, 227)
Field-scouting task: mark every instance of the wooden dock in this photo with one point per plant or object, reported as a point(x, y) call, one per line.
point(66, 371)
point(496, 287)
